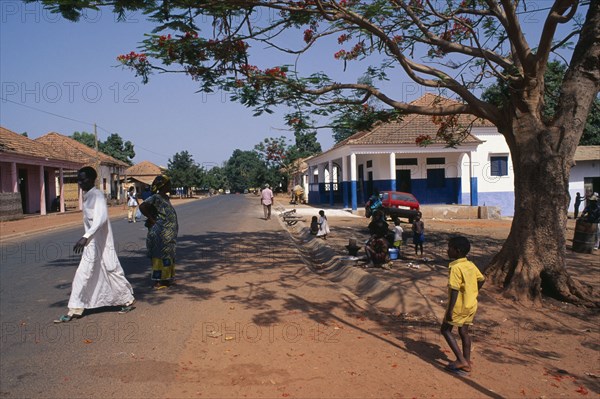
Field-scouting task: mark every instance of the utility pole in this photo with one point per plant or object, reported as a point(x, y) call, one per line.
point(97, 165)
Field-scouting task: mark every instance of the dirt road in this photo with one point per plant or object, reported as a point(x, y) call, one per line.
point(251, 316)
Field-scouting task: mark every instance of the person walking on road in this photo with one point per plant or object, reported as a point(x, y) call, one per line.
point(162, 232)
point(99, 280)
point(266, 199)
point(131, 204)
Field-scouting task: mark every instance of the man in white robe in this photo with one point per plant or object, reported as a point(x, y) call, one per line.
point(99, 280)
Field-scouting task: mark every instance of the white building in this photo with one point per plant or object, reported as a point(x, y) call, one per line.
point(477, 172)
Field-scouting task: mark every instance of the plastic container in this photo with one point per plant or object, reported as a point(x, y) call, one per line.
point(393, 253)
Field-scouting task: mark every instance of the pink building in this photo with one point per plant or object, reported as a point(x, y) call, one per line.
point(30, 169)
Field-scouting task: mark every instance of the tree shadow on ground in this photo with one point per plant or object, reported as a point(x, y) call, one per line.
point(521, 337)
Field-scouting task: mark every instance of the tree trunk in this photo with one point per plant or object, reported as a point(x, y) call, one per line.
point(532, 261)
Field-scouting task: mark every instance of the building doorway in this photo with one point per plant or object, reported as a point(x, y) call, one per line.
point(403, 181)
point(23, 189)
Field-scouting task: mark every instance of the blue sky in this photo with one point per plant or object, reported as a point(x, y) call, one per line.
point(64, 77)
point(70, 69)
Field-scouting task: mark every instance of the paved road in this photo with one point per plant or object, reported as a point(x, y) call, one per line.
point(40, 359)
point(246, 319)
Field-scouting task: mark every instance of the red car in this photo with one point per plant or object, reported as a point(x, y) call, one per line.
point(397, 204)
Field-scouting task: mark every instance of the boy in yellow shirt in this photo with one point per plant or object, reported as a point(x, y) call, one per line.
point(464, 282)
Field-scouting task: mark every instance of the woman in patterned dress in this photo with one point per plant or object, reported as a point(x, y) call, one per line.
point(162, 232)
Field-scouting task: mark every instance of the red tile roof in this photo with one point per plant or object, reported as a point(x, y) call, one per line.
point(14, 143)
point(412, 126)
point(77, 151)
point(144, 168)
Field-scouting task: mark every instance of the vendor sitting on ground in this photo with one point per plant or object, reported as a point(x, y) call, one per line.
point(377, 246)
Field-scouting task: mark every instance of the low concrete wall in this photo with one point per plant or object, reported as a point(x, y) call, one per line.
point(10, 206)
point(455, 212)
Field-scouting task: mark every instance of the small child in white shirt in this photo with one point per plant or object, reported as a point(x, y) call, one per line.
point(397, 234)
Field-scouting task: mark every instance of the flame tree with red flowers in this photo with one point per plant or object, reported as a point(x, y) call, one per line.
point(457, 47)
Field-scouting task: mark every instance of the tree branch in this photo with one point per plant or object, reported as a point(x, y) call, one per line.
point(554, 18)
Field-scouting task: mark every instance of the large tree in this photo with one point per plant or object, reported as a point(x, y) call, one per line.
point(113, 146)
point(452, 46)
point(499, 94)
point(184, 171)
point(246, 169)
point(119, 149)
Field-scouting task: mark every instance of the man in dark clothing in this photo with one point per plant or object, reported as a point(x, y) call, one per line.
point(578, 200)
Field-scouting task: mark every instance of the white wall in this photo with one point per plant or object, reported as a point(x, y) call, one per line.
point(493, 144)
point(578, 172)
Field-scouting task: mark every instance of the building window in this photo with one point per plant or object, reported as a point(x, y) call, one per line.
point(369, 164)
point(499, 165)
point(436, 161)
point(436, 178)
point(406, 161)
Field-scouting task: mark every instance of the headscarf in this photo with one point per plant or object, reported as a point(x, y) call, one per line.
point(159, 182)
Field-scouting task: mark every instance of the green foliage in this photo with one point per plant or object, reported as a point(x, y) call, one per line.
point(273, 151)
point(245, 169)
point(500, 93)
point(306, 145)
point(117, 148)
point(215, 178)
point(113, 146)
point(85, 138)
point(183, 171)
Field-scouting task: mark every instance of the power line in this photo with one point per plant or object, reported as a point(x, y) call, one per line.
point(47, 112)
point(78, 121)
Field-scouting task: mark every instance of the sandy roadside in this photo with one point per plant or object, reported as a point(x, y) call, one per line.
point(35, 224)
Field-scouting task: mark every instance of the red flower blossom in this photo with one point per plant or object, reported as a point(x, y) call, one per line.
point(308, 35)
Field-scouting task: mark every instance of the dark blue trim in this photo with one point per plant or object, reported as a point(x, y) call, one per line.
point(331, 194)
point(474, 194)
point(345, 191)
point(353, 192)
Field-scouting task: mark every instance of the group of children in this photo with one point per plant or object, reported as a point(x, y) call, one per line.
point(379, 230)
point(464, 282)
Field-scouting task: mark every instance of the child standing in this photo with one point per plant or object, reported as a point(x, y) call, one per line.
point(398, 234)
point(464, 282)
point(418, 229)
point(323, 226)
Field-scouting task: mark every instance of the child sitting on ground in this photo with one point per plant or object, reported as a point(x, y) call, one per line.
point(314, 226)
point(464, 282)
